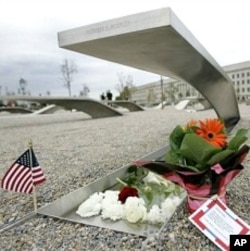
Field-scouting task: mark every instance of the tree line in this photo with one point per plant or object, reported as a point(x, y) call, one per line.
point(68, 70)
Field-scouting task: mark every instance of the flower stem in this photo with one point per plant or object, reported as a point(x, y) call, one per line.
point(121, 182)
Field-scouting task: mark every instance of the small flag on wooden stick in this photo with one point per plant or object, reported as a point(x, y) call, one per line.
point(24, 174)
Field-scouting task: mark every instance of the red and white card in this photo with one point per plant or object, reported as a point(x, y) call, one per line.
point(215, 220)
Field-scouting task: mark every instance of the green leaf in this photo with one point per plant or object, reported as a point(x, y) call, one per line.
point(131, 180)
point(176, 138)
point(173, 157)
point(220, 156)
point(198, 168)
point(132, 169)
point(238, 139)
point(197, 149)
point(148, 194)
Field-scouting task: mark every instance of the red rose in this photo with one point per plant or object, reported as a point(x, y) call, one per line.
point(127, 192)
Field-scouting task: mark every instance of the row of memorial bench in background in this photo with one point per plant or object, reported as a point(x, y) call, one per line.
point(91, 107)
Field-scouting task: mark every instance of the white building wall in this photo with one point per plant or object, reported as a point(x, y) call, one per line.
point(150, 93)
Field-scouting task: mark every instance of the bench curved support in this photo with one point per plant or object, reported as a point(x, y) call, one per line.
point(158, 42)
point(89, 106)
point(131, 106)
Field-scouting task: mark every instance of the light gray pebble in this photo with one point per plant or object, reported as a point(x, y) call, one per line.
point(74, 151)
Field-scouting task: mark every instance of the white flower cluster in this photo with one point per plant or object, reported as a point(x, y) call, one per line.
point(133, 210)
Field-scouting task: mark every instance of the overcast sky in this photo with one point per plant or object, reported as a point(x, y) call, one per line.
point(29, 47)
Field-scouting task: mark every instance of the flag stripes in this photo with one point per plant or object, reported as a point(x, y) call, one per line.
point(21, 177)
point(37, 175)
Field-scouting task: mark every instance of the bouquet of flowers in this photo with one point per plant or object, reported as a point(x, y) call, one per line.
point(141, 197)
point(202, 159)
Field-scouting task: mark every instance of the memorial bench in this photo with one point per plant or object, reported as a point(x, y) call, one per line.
point(89, 106)
point(154, 41)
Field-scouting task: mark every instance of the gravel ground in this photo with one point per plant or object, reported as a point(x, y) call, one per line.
point(73, 151)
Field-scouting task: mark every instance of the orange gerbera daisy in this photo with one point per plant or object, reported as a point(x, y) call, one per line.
point(212, 130)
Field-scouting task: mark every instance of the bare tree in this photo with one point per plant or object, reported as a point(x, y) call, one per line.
point(68, 69)
point(120, 86)
point(47, 93)
point(85, 91)
point(22, 87)
point(125, 86)
point(171, 92)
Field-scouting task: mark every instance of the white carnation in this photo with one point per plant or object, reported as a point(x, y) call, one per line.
point(111, 206)
point(91, 206)
point(155, 215)
point(111, 194)
point(135, 210)
point(114, 212)
point(110, 197)
point(168, 207)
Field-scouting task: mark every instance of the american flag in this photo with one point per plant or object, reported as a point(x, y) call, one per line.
point(21, 176)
